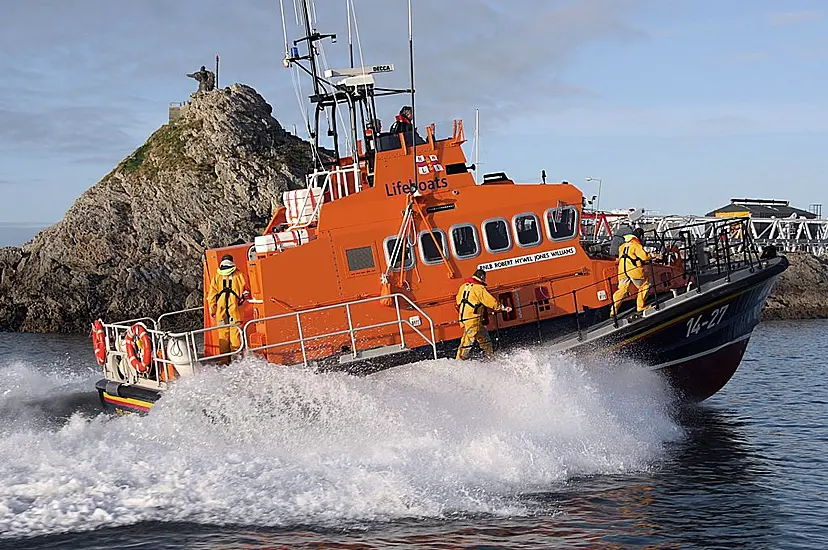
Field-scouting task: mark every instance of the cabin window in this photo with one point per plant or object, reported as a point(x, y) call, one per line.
point(527, 229)
point(429, 251)
point(561, 223)
point(360, 258)
point(403, 251)
point(464, 241)
point(496, 235)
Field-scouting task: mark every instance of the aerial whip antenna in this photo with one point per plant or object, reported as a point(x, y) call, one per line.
point(350, 38)
point(477, 146)
point(413, 110)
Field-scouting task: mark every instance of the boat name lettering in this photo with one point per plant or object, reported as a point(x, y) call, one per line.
point(400, 188)
point(528, 259)
point(695, 324)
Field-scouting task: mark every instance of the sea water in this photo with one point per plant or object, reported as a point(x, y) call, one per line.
point(529, 450)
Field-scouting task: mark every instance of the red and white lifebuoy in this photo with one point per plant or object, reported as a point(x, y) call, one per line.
point(99, 341)
point(138, 348)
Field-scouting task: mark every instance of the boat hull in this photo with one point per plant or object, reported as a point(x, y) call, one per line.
point(696, 344)
point(125, 398)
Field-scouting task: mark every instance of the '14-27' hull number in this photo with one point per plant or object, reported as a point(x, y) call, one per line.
point(695, 324)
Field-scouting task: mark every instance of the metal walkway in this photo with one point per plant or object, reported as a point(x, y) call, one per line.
point(786, 234)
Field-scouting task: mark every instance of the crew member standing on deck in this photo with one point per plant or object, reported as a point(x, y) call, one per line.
point(228, 290)
point(471, 299)
point(631, 260)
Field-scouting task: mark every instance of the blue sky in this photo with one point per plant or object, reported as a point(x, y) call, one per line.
point(678, 105)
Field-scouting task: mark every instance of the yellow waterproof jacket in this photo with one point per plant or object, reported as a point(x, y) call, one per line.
point(226, 290)
point(631, 258)
point(472, 298)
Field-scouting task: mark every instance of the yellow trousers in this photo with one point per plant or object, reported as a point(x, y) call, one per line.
point(229, 340)
point(473, 331)
point(643, 285)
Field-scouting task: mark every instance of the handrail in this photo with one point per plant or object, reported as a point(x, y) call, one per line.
point(159, 341)
point(718, 230)
point(351, 330)
point(129, 322)
point(328, 186)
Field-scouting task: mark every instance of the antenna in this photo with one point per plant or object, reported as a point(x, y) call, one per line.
point(350, 39)
point(476, 144)
point(413, 110)
point(217, 68)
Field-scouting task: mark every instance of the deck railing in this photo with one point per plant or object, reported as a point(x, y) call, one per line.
point(116, 368)
point(351, 330)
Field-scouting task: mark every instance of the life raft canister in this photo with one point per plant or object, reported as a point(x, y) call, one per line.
point(138, 340)
point(99, 341)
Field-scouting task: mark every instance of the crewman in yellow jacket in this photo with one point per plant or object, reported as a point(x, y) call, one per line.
point(471, 299)
point(228, 290)
point(631, 260)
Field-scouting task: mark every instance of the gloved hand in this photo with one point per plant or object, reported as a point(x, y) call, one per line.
point(506, 309)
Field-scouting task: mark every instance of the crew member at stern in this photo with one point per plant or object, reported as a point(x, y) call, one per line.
point(228, 290)
point(471, 299)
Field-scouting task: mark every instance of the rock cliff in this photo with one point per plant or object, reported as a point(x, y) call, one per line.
point(801, 291)
point(131, 245)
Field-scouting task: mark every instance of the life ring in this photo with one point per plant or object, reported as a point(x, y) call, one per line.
point(99, 341)
point(138, 340)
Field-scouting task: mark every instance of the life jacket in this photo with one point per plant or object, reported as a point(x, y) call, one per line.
point(401, 124)
point(625, 259)
point(227, 289)
point(470, 302)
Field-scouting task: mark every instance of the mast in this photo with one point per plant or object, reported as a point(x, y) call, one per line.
point(311, 38)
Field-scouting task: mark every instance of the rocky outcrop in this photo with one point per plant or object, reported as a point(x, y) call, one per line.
point(801, 291)
point(132, 244)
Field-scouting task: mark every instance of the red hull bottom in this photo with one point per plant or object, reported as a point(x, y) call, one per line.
point(699, 377)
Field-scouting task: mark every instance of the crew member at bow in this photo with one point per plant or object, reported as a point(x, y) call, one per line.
point(631, 260)
point(228, 290)
point(471, 299)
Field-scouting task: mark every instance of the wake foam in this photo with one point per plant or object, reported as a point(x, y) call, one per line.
point(273, 446)
point(32, 398)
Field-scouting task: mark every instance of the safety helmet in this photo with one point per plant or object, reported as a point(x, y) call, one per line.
point(480, 275)
point(227, 257)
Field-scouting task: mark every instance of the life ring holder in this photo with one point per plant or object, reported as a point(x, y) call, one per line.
point(137, 337)
point(99, 341)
